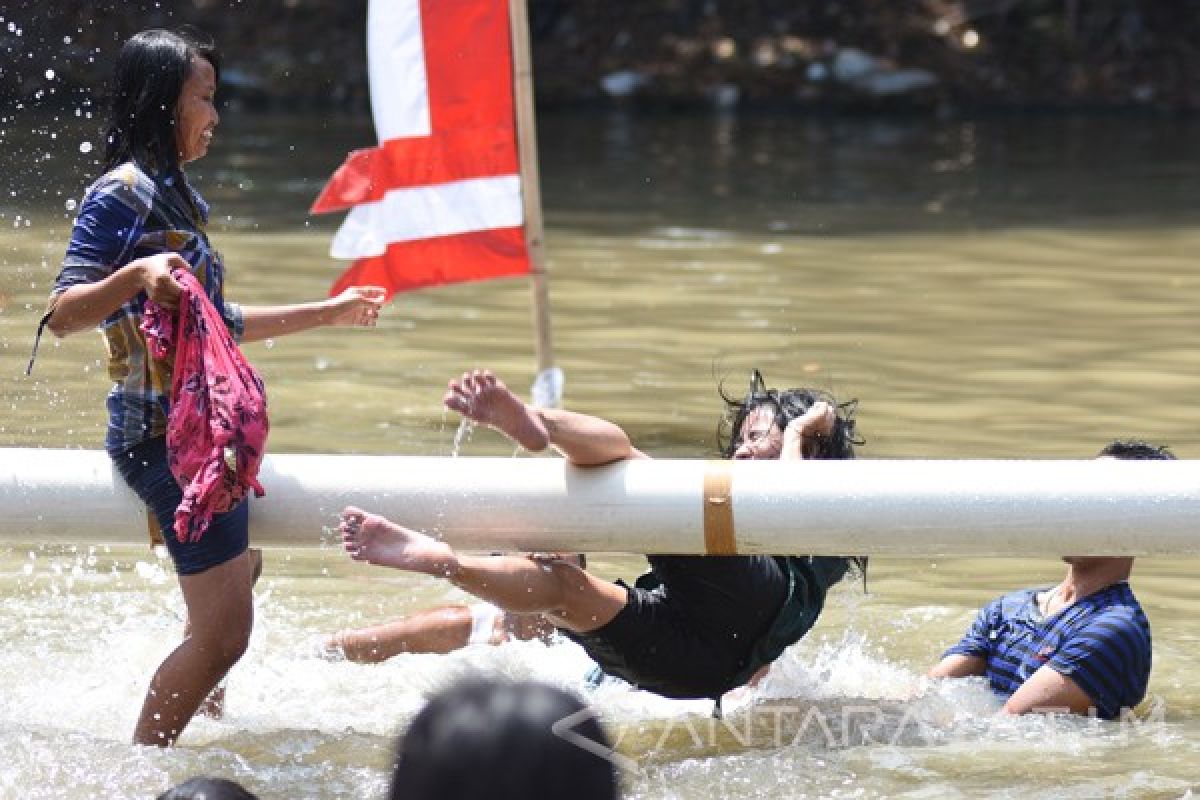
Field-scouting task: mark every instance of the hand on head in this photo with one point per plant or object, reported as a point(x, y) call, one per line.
point(818, 420)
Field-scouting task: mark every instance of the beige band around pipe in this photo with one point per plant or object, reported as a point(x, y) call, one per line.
point(719, 536)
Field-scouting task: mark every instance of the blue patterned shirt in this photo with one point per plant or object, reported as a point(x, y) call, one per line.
point(1101, 642)
point(125, 215)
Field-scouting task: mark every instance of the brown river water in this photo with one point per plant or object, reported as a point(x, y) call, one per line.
point(1002, 288)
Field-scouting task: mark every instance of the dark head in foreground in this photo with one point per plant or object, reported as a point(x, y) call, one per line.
point(495, 739)
point(207, 789)
point(1136, 450)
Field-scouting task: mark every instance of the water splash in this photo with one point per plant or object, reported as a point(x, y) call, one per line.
point(461, 436)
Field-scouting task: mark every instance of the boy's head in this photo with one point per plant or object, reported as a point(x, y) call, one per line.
point(1135, 450)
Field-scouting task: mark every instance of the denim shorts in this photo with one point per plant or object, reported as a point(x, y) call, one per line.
point(144, 468)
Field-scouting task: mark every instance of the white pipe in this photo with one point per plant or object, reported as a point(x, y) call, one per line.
point(897, 508)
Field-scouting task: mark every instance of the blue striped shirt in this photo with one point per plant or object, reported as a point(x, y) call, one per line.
point(1101, 642)
point(125, 215)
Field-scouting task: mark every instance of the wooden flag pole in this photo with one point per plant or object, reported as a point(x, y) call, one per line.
point(531, 194)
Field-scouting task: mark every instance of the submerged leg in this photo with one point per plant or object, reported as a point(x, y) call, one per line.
point(436, 630)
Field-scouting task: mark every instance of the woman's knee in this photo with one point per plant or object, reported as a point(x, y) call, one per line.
point(226, 643)
point(220, 617)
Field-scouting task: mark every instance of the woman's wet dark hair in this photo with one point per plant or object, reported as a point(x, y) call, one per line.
point(497, 739)
point(147, 81)
point(787, 405)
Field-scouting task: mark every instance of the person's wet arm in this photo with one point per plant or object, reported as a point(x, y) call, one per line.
point(1048, 690)
point(357, 305)
point(99, 273)
point(83, 306)
point(818, 420)
point(969, 656)
point(958, 665)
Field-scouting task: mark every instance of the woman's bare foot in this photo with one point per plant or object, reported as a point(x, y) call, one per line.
point(371, 538)
point(482, 397)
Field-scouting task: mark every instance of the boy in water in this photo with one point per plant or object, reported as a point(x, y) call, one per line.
point(1081, 646)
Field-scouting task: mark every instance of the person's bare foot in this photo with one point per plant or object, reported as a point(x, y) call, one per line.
point(482, 397)
point(376, 540)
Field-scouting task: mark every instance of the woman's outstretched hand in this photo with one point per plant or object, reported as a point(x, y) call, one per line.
point(357, 305)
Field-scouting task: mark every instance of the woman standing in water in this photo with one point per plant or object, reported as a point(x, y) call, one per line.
point(137, 223)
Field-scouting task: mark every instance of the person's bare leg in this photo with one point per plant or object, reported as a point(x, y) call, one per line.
point(213, 706)
point(571, 597)
point(220, 609)
point(584, 440)
point(436, 630)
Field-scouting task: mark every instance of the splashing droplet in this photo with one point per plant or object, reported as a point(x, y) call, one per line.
point(85, 147)
point(49, 74)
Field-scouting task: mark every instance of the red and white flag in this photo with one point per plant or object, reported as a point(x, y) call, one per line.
point(439, 199)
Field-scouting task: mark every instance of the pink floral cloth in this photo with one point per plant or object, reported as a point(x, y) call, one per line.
point(217, 425)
